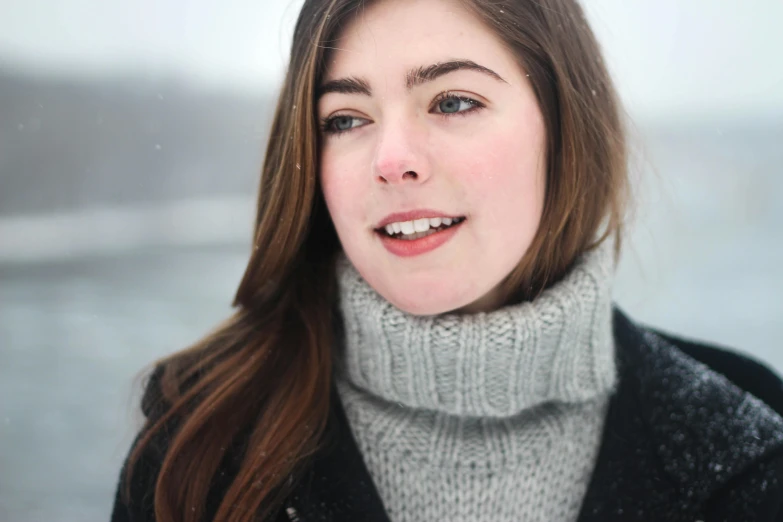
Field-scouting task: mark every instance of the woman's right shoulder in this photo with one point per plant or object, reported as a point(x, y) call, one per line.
point(139, 505)
point(153, 402)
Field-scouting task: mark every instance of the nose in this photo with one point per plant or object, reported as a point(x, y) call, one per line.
point(400, 156)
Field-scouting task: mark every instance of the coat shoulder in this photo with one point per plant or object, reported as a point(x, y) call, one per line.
point(744, 371)
point(686, 430)
point(138, 506)
point(703, 401)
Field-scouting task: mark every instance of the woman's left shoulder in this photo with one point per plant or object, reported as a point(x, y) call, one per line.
point(743, 370)
point(672, 363)
point(718, 391)
point(693, 432)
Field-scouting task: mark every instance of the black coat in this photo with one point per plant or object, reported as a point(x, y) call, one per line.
point(692, 434)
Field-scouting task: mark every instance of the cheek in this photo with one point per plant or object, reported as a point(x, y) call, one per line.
point(507, 178)
point(342, 191)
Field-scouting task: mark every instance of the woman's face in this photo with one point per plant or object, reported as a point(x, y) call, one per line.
point(427, 116)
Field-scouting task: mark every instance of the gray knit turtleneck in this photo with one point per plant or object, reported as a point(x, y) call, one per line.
point(490, 416)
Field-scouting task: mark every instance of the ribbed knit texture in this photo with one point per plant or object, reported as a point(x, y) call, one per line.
point(492, 416)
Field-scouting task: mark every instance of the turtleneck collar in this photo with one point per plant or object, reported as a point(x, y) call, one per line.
point(558, 347)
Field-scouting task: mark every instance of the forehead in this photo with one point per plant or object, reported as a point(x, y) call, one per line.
point(391, 36)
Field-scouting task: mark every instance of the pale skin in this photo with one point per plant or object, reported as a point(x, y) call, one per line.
point(468, 140)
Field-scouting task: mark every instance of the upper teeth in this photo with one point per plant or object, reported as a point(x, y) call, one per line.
point(417, 225)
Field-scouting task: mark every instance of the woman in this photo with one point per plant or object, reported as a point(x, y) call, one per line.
point(425, 329)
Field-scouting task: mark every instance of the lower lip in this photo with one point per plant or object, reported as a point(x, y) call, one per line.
point(415, 247)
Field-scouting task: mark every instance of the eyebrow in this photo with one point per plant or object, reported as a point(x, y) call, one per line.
point(414, 78)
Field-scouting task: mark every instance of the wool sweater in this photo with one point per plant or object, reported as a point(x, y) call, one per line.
point(501, 412)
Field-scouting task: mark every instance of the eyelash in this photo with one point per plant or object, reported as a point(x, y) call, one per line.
point(326, 123)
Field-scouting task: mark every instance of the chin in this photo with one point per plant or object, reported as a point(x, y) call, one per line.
point(427, 303)
point(421, 308)
point(425, 293)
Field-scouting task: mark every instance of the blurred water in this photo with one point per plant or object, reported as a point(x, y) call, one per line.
point(78, 323)
point(74, 335)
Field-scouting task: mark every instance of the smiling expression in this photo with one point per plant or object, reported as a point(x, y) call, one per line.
point(425, 114)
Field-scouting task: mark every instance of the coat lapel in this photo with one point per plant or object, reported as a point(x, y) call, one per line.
point(629, 482)
point(338, 486)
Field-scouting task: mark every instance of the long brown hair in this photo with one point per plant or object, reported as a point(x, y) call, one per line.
point(262, 379)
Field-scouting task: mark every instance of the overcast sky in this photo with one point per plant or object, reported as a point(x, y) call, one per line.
point(670, 57)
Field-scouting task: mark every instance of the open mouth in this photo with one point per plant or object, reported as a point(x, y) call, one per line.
point(418, 228)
